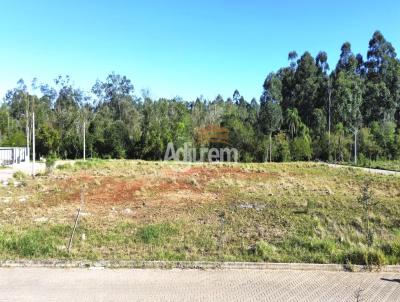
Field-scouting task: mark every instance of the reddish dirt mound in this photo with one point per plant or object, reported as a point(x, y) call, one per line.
point(113, 190)
point(108, 190)
point(207, 173)
point(102, 190)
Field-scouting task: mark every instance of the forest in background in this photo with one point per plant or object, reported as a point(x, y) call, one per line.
point(307, 111)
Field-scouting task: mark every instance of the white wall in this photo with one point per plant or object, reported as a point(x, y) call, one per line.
point(13, 155)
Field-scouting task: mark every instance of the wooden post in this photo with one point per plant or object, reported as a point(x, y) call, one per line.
point(76, 220)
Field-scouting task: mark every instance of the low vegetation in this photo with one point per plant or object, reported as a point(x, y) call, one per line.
point(393, 165)
point(289, 212)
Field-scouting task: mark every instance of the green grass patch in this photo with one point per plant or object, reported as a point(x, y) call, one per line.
point(156, 233)
point(38, 242)
point(19, 175)
point(392, 165)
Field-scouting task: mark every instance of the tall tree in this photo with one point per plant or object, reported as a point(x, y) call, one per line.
point(270, 116)
point(382, 91)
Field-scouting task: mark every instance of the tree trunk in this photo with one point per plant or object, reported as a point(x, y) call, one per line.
point(329, 116)
point(355, 146)
point(270, 148)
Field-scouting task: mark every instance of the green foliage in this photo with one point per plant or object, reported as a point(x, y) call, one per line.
point(362, 256)
point(319, 111)
point(47, 140)
point(368, 203)
point(33, 243)
point(50, 162)
point(19, 175)
point(368, 145)
point(155, 233)
point(264, 251)
point(282, 148)
point(64, 167)
point(16, 139)
point(341, 144)
point(300, 148)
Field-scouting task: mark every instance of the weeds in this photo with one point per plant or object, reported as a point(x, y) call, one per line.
point(20, 176)
point(236, 212)
point(33, 243)
point(155, 233)
point(368, 203)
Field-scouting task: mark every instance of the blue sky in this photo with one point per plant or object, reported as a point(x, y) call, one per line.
point(186, 48)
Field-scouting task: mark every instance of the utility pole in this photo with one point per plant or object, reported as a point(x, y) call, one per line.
point(329, 110)
point(33, 138)
point(84, 139)
point(27, 130)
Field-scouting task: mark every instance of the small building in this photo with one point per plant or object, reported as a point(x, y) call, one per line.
point(13, 155)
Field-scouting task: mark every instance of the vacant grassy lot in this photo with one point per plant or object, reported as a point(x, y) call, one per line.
point(294, 212)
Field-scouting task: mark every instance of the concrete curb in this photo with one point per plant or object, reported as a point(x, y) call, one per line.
point(196, 265)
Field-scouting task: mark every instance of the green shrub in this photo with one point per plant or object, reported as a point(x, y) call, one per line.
point(155, 233)
point(300, 148)
point(281, 148)
point(33, 243)
point(375, 258)
point(362, 256)
point(264, 250)
point(50, 162)
point(19, 175)
point(88, 164)
point(64, 167)
point(392, 249)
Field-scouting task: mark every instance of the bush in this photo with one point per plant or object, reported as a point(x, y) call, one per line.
point(282, 149)
point(264, 250)
point(33, 243)
point(155, 233)
point(392, 249)
point(374, 258)
point(361, 256)
point(19, 175)
point(64, 167)
point(300, 148)
point(50, 163)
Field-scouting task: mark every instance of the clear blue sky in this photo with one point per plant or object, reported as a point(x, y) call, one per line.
point(184, 48)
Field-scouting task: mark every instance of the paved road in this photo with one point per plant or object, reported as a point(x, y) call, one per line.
point(46, 284)
point(8, 172)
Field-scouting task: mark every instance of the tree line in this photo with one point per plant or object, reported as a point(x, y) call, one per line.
point(306, 111)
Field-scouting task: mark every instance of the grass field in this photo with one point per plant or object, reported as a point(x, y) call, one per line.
point(393, 165)
point(292, 212)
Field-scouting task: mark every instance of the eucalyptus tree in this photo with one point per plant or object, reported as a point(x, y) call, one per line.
point(382, 93)
point(348, 93)
point(270, 116)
